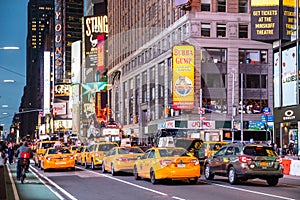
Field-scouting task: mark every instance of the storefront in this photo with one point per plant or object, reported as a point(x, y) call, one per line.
point(287, 128)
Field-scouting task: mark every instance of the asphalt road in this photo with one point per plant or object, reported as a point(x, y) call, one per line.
point(92, 184)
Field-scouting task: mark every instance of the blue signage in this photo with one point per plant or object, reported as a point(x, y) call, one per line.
point(266, 110)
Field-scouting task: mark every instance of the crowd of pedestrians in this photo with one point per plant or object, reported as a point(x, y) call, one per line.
point(8, 150)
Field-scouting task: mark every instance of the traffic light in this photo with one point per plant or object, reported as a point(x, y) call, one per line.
point(108, 111)
point(167, 111)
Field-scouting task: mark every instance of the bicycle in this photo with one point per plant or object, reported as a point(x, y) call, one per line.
point(23, 168)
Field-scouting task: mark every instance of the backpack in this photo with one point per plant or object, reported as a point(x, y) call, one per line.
point(24, 155)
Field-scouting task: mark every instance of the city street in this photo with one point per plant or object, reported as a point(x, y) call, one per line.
point(92, 184)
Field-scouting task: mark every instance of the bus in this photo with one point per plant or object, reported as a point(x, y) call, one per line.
point(248, 135)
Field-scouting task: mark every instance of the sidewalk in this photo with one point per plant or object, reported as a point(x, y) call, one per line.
point(32, 189)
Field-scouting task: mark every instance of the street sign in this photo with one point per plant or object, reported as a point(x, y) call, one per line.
point(201, 111)
point(266, 110)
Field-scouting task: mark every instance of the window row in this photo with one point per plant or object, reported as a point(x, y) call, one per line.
point(221, 5)
point(221, 30)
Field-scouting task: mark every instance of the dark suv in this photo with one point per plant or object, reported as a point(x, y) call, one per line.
point(240, 162)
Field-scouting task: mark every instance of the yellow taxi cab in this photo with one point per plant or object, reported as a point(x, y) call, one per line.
point(121, 159)
point(171, 163)
point(81, 155)
point(57, 158)
point(95, 154)
point(41, 147)
point(74, 150)
point(209, 148)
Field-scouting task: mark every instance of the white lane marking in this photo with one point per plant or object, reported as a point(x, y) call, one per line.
point(16, 195)
point(56, 193)
point(135, 185)
point(57, 186)
point(250, 191)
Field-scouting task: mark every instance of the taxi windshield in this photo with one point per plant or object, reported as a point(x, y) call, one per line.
point(47, 145)
point(173, 152)
point(105, 147)
point(129, 150)
point(59, 151)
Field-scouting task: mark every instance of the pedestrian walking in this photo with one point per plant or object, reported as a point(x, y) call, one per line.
point(10, 153)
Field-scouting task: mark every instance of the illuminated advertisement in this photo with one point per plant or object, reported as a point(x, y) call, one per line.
point(62, 125)
point(76, 61)
point(60, 108)
point(93, 26)
point(265, 20)
point(289, 20)
point(289, 74)
point(62, 90)
point(181, 2)
point(277, 96)
point(183, 77)
point(47, 83)
point(101, 52)
point(58, 41)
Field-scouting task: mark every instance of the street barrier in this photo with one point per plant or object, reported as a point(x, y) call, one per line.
point(295, 168)
point(286, 163)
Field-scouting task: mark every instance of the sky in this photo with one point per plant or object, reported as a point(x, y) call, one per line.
point(13, 32)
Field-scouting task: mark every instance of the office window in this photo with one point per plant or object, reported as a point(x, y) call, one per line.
point(253, 56)
point(221, 30)
point(243, 31)
point(205, 30)
point(243, 6)
point(214, 55)
point(221, 5)
point(205, 5)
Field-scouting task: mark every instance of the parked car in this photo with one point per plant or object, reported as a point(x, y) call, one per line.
point(171, 163)
point(121, 159)
point(96, 152)
point(240, 162)
point(57, 158)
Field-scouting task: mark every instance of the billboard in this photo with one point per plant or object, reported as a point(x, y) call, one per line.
point(62, 90)
point(265, 20)
point(47, 86)
point(59, 49)
point(289, 20)
point(183, 77)
point(93, 27)
point(76, 62)
point(289, 75)
point(276, 67)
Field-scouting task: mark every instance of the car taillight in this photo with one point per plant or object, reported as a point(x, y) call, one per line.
point(165, 162)
point(279, 160)
point(71, 157)
point(49, 157)
point(121, 159)
point(195, 161)
point(244, 159)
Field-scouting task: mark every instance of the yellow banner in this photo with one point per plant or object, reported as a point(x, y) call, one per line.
point(183, 77)
point(264, 2)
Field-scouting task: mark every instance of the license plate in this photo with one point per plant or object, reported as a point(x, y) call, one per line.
point(181, 165)
point(60, 163)
point(264, 164)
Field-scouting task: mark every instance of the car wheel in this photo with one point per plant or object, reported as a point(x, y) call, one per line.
point(103, 168)
point(193, 180)
point(93, 165)
point(232, 176)
point(72, 168)
point(136, 174)
point(112, 170)
point(152, 177)
point(272, 181)
point(207, 173)
point(86, 166)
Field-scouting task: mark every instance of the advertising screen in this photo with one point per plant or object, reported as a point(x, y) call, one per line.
point(289, 74)
point(277, 96)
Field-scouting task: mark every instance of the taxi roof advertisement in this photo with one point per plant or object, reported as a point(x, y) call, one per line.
point(183, 77)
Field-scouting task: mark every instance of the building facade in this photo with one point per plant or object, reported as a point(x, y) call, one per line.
point(230, 71)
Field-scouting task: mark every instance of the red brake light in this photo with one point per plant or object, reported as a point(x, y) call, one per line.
point(165, 162)
point(244, 159)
